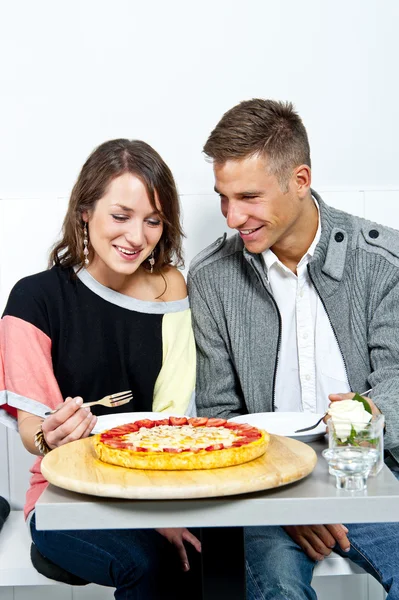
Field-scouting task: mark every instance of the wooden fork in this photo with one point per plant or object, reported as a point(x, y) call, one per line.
point(112, 401)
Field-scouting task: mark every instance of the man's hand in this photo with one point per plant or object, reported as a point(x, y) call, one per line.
point(177, 536)
point(317, 541)
point(338, 397)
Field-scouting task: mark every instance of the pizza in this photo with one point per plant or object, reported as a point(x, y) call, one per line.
point(178, 443)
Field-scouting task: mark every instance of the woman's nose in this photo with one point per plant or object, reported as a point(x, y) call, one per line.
point(134, 234)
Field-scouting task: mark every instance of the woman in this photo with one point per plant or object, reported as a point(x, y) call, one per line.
point(111, 314)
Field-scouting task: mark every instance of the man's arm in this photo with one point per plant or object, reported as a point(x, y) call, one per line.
point(218, 392)
point(383, 341)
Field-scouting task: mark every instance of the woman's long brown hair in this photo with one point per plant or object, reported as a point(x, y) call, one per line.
point(108, 161)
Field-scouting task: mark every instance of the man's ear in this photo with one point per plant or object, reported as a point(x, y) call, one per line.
point(302, 177)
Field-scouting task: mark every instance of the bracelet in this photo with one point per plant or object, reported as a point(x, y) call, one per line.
point(41, 443)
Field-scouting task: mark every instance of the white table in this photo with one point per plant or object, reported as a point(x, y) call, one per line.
point(314, 499)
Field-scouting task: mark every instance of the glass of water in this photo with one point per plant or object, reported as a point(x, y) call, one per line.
point(354, 451)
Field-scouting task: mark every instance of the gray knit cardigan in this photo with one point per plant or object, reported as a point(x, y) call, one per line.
point(355, 270)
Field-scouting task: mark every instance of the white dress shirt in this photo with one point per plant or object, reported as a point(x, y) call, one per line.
point(310, 364)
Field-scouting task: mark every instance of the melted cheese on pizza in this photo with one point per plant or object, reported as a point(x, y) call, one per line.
point(186, 436)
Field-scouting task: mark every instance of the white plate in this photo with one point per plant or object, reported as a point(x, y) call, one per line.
point(285, 423)
point(108, 421)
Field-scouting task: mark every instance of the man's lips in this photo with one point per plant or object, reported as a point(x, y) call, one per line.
point(247, 233)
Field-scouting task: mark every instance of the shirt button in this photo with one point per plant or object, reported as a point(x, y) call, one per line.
point(307, 377)
point(305, 336)
point(301, 293)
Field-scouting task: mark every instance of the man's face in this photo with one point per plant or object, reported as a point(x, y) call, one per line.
point(254, 204)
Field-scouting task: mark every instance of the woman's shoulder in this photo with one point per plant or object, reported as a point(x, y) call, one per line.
point(33, 294)
point(40, 283)
point(176, 288)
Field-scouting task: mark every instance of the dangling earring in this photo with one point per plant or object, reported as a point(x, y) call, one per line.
point(151, 261)
point(85, 244)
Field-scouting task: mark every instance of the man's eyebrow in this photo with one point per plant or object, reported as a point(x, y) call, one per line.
point(250, 193)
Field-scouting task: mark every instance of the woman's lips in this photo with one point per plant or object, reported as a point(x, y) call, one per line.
point(127, 254)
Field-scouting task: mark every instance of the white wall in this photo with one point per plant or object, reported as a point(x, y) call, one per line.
point(73, 74)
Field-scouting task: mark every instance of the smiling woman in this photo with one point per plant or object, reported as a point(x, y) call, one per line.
point(110, 314)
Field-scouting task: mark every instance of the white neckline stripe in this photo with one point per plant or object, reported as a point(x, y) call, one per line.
point(133, 304)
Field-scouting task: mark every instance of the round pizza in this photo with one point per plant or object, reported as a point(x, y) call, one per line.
point(177, 443)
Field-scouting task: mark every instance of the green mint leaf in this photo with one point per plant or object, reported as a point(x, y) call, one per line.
point(366, 405)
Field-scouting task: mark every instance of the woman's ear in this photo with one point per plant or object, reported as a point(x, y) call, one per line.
point(85, 216)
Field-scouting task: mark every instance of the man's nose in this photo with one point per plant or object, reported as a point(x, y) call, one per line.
point(234, 216)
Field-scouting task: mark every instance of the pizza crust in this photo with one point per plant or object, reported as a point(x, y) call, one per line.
point(165, 461)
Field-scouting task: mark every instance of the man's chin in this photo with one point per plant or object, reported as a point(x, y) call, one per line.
point(256, 247)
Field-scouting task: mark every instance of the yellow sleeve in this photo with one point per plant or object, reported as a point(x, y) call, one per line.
point(174, 387)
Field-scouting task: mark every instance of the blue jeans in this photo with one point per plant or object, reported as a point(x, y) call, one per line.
point(278, 569)
point(139, 563)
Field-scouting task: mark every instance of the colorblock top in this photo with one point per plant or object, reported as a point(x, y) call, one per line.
point(64, 334)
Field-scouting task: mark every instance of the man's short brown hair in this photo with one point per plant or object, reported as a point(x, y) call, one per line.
point(261, 127)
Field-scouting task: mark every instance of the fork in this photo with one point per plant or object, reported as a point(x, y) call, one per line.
point(112, 401)
point(320, 420)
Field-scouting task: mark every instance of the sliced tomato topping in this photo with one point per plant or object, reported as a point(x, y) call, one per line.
point(238, 443)
point(248, 440)
point(244, 426)
point(145, 423)
point(161, 422)
point(141, 449)
point(198, 421)
point(116, 444)
point(216, 422)
point(215, 447)
point(122, 429)
point(173, 450)
point(231, 425)
point(178, 420)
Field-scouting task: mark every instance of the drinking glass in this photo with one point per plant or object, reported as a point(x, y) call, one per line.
point(355, 450)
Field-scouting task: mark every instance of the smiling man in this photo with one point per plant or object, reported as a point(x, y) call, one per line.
point(298, 309)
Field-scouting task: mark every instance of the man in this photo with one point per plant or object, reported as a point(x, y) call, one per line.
point(298, 309)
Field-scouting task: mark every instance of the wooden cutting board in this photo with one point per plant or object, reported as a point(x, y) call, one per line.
point(75, 467)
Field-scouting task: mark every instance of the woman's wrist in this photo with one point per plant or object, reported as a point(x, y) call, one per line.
point(40, 442)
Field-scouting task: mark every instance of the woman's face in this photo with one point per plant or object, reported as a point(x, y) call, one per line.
point(123, 229)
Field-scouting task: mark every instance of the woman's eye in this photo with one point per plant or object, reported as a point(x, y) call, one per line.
point(120, 218)
point(154, 222)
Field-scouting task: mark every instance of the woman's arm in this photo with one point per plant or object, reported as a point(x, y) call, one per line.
point(28, 425)
point(69, 423)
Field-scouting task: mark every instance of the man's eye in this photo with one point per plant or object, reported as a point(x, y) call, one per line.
point(120, 218)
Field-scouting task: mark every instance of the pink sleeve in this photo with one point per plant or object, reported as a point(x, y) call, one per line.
point(27, 380)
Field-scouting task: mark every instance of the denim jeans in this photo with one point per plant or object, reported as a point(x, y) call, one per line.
point(139, 563)
point(278, 569)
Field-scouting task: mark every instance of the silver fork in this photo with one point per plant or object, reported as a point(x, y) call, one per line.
point(112, 401)
point(323, 417)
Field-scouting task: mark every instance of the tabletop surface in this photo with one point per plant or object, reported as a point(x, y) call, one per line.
point(314, 499)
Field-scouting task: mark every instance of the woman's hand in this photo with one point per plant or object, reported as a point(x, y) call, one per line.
point(177, 536)
point(69, 423)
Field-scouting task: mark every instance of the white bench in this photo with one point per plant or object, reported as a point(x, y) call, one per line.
point(16, 568)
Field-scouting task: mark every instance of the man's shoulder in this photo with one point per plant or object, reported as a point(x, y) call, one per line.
point(366, 234)
point(220, 250)
point(375, 237)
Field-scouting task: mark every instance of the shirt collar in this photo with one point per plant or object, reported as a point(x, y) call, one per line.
point(270, 258)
